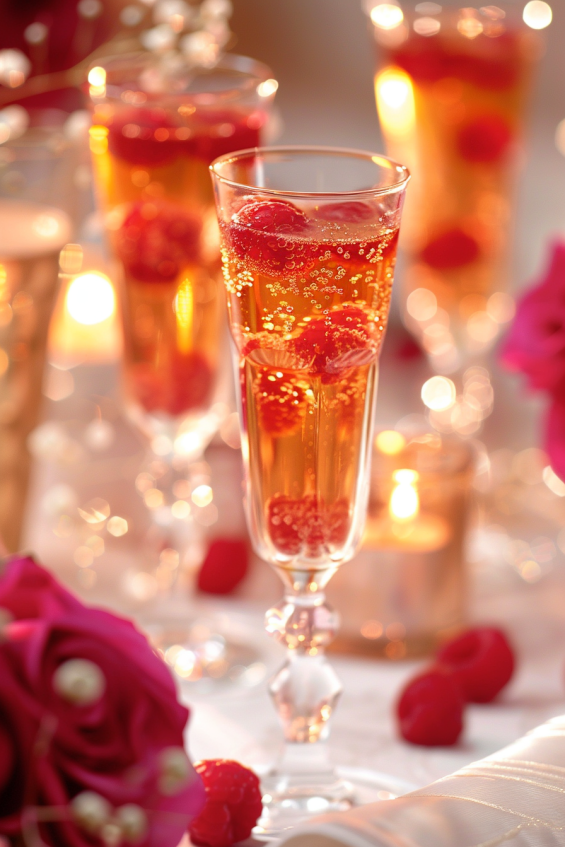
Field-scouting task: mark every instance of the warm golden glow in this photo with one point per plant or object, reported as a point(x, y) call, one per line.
point(184, 310)
point(469, 26)
point(387, 15)
point(438, 393)
point(90, 298)
point(537, 14)
point(202, 496)
point(98, 138)
point(97, 76)
point(421, 304)
point(395, 102)
point(267, 88)
point(390, 442)
point(404, 501)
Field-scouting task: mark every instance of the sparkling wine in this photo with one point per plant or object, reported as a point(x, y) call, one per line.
point(451, 93)
point(151, 156)
point(308, 295)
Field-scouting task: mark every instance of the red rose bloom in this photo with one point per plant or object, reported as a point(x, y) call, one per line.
point(86, 706)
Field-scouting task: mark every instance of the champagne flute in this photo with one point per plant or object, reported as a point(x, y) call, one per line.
point(156, 126)
point(308, 241)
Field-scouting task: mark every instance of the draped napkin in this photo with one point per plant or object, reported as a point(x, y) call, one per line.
point(514, 798)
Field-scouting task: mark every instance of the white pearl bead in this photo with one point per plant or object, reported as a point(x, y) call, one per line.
point(175, 770)
point(79, 681)
point(90, 811)
point(132, 821)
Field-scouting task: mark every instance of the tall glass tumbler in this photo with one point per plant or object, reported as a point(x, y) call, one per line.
point(309, 241)
point(452, 88)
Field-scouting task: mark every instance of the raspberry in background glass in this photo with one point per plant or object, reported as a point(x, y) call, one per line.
point(452, 88)
point(153, 136)
point(308, 240)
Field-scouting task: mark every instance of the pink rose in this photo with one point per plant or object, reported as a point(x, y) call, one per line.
point(86, 705)
point(29, 591)
point(536, 342)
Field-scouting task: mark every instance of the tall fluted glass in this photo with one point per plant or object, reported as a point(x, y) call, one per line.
point(308, 240)
point(156, 127)
point(452, 88)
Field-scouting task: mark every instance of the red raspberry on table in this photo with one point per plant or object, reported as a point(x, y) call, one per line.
point(450, 250)
point(225, 565)
point(177, 386)
point(262, 234)
point(485, 139)
point(146, 137)
point(156, 240)
point(281, 401)
point(430, 710)
point(334, 343)
point(481, 662)
point(232, 807)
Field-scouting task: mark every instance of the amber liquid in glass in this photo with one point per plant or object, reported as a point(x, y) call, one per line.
point(308, 312)
point(459, 128)
point(152, 173)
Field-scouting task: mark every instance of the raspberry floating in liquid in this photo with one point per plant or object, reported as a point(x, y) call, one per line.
point(222, 132)
point(261, 234)
point(281, 401)
point(430, 710)
point(485, 139)
point(175, 387)
point(341, 340)
point(306, 526)
point(224, 567)
point(353, 211)
point(480, 661)
point(450, 250)
point(156, 240)
point(145, 137)
point(232, 807)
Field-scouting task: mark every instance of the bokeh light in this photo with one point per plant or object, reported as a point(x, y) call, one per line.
point(537, 14)
point(90, 298)
point(438, 393)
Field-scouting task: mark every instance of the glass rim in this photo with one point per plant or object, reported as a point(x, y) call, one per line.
point(256, 72)
point(345, 152)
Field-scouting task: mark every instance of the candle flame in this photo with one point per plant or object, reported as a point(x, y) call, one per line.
point(395, 102)
point(404, 501)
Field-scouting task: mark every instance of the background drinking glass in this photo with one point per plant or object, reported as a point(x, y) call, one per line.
point(308, 245)
point(36, 221)
point(155, 129)
point(452, 88)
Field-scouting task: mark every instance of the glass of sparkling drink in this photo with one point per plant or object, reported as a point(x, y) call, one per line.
point(308, 241)
point(155, 129)
point(452, 87)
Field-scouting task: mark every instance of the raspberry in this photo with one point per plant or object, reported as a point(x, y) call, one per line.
point(224, 132)
point(480, 661)
point(450, 250)
point(422, 60)
point(335, 343)
point(351, 212)
point(430, 710)
point(232, 807)
point(281, 401)
point(224, 567)
point(183, 384)
point(261, 235)
point(145, 137)
point(156, 240)
point(306, 526)
point(484, 139)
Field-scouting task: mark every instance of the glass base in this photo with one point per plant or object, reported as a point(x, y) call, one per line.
point(287, 803)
